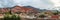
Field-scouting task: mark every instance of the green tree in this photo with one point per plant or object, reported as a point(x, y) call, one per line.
point(14, 17)
point(42, 16)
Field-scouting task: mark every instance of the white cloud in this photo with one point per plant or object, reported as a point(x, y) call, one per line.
point(56, 4)
point(35, 3)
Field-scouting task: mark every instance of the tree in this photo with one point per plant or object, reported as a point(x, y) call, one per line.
point(13, 17)
point(56, 13)
point(42, 16)
point(18, 12)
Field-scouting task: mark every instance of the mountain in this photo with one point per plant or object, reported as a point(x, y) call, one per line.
point(39, 10)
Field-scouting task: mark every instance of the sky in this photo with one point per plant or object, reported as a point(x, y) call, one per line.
point(56, 4)
point(41, 4)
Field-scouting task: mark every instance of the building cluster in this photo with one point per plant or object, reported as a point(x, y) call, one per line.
point(26, 12)
point(19, 10)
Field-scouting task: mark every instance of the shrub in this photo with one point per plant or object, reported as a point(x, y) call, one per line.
point(55, 13)
point(13, 17)
point(6, 17)
point(42, 16)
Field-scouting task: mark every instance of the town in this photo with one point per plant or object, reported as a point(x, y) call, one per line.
point(28, 13)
